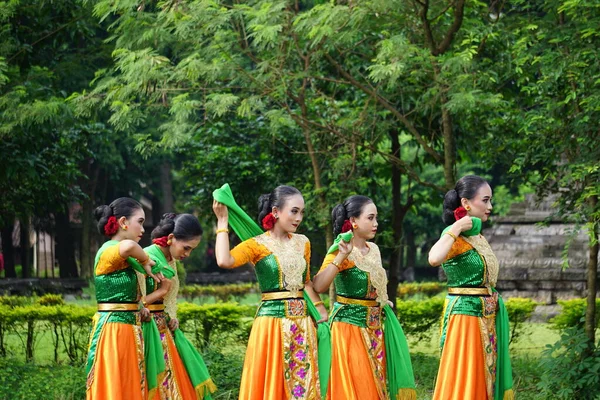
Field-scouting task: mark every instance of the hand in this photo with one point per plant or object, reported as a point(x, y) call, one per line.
point(345, 248)
point(165, 285)
point(174, 324)
point(324, 314)
point(148, 268)
point(464, 224)
point(145, 314)
point(221, 211)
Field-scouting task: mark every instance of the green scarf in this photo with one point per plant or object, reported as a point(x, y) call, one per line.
point(475, 229)
point(401, 380)
point(246, 228)
point(346, 237)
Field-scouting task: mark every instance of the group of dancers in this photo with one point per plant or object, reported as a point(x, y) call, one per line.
point(296, 349)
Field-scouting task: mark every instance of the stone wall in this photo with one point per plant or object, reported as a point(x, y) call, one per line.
point(531, 256)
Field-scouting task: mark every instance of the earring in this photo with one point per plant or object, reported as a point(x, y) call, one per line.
point(169, 242)
point(468, 208)
point(354, 226)
point(125, 227)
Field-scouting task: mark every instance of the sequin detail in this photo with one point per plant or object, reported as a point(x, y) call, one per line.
point(290, 257)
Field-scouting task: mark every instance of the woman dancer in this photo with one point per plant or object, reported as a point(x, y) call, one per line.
point(115, 363)
point(185, 374)
point(474, 360)
point(363, 338)
point(281, 359)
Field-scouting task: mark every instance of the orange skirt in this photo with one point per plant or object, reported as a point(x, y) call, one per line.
point(461, 375)
point(281, 360)
point(118, 370)
point(176, 382)
point(351, 362)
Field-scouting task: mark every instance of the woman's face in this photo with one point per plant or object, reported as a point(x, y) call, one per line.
point(291, 214)
point(366, 223)
point(181, 249)
point(133, 227)
point(481, 204)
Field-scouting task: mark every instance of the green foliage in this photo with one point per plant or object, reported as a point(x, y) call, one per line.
point(234, 291)
point(418, 317)
point(570, 369)
point(427, 289)
point(519, 310)
point(572, 314)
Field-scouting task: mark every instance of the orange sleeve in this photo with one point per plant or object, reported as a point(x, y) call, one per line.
point(249, 251)
point(458, 247)
point(307, 258)
point(111, 261)
point(347, 264)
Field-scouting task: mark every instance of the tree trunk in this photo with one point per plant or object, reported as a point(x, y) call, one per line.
point(592, 276)
point(87, 226)
point(65, 251)
point(8, 250)
point(411, 255)
point(166, 186)
point(397, 218)
point(449, 154)
point(25, 247)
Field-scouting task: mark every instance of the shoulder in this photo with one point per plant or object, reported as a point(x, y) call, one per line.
point(373, 247)
point(300, 238)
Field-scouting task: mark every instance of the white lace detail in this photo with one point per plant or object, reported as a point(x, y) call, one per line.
point(290, 257)
point(484, 249)
point(371, 263)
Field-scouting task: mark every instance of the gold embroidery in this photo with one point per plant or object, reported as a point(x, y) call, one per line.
point(290, 257)
point(170, 299)
point(374, 345)
point(487, 328)
point(490, 261)
point(371, 263)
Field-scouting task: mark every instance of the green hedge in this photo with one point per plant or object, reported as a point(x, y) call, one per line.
point(221, 292)
point(573, 313)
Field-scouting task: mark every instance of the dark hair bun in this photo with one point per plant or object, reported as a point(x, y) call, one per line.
point(338, 216)
point(276, 198)
point(351, 207)
point(466, 188)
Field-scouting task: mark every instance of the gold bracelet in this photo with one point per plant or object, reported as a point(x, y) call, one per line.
point(336, 264)
point(222, 230)
point(318, 303)
point(452, 235)
point(143, 262)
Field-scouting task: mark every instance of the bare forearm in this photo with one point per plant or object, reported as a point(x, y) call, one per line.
point(224, 258)
point(441, 248)
point(314, 296)
point(129, 248)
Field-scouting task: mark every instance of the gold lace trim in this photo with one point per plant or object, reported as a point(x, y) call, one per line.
point(290, 257)
point(371, 263)
point(170, 299)
point(491, 262)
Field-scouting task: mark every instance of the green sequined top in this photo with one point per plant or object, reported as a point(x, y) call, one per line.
point(115, 280)
point(279, 266)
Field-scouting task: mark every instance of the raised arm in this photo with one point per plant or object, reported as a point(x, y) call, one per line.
point(224, 257)
point(330, 268)
point(441, 248)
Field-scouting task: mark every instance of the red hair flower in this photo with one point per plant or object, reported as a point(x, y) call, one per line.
point(161, 241)
point(347, 226)
point(459, 213)
point(268, 221)
point(111, 227)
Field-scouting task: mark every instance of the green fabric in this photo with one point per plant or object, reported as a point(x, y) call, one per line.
point(353, 314)
point(162, 265)
point(354, 283)
point(246, 228)
point(240, 222)
point(194, 365)
point(153, 353)
point(465, 270)
point(398, 365)
point(102, 319)
point(475, 229)
point(268, 274)
point(271, 308)
point(346, 237)
point(504, 379)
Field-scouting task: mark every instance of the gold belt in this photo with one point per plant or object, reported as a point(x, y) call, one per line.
point(155, 307)
point(282, 295)
point(118, 306)
point(475, 291)
point(360, 302)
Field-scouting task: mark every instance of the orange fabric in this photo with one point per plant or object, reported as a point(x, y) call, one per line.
point(262, 377)
point(461, 375)
point(249, 251)
point(346, 264)
point(111, 261)
point(307, 258)
point(118, 365)
point(351, 377)
point(178, 373)
point(459, 246)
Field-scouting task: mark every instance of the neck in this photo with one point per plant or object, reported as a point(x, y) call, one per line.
point(166, 251)
point(118, 237)
point(279, 233)
point(359, 242)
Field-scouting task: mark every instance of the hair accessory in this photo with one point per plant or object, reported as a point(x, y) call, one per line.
point(459, 213)
point(111, 227)
point(347, 226)
point(268, 221)
point(161, 241)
